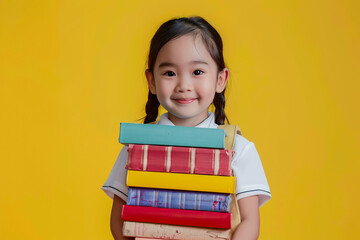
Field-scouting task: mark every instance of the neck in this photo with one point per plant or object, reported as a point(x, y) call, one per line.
point(187, 122)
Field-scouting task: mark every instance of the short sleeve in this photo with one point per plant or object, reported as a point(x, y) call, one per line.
point(116, 182)
point(249, 172)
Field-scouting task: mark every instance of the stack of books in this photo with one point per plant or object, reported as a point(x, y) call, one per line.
point(180, 182)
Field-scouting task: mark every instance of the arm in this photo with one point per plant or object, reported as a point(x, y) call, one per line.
point(116, 224)
point(250, 219)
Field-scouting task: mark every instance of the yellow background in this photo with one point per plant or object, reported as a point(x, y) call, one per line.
point(72, 70)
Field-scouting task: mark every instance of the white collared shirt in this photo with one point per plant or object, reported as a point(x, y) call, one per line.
point(246, 165)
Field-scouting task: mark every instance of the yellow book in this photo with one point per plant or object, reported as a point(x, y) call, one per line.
point(180, 181)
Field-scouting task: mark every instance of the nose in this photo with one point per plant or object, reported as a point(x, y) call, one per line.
point(184, 84)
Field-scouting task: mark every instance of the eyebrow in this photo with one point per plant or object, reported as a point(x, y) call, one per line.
point(170, 64)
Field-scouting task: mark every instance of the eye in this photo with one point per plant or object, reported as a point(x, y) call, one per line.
point(169, 74)
point(198, 72)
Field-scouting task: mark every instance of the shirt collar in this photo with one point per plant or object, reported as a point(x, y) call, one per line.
point(209, 122)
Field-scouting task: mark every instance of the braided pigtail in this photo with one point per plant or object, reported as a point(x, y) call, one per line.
point(152, 108)
point(219, 103)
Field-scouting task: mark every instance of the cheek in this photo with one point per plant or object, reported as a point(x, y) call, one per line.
point(164, 89)
point(206, 89)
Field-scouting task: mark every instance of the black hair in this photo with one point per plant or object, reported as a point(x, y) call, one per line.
point(176, 28)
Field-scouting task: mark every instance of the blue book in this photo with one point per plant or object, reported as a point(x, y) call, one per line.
point(152, 134)
point(165, 198)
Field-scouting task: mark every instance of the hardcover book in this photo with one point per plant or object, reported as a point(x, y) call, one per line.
point(176, 217)
point(139, 238)
point(163, 231)
point(163, 198)
point(179, 159)
point(180, 181)
point(131, 133)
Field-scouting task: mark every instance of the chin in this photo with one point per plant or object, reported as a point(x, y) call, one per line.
point(187, 116)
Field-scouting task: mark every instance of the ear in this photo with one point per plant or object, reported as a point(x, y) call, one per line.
point(151, 81)
point(222, 80)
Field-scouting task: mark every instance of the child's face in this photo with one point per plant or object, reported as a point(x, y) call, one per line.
point(185, 79)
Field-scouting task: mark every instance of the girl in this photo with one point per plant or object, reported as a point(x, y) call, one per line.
point(186, 74)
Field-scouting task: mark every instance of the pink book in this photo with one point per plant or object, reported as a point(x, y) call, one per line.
point(163, 231)
point(140, 238)
point(176, 217)
point(205, 161)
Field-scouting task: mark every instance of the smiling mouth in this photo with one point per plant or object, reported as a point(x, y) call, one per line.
point(185, 100)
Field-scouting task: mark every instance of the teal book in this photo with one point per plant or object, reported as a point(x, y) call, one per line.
point(152, 134)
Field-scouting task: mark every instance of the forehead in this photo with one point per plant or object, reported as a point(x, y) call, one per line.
point(183, 50)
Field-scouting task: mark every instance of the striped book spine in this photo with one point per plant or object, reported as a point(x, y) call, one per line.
point(179, 159)
point(187, 200)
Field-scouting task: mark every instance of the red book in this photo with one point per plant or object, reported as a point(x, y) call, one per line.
point(180, 159)
point(176, 217)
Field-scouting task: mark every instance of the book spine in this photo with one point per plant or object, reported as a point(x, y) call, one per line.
point(180, 181)
point(179, 159)
point(153, 134)
point(176, 217)
point(201, 201)
point(163, 231)
point(147, 238)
